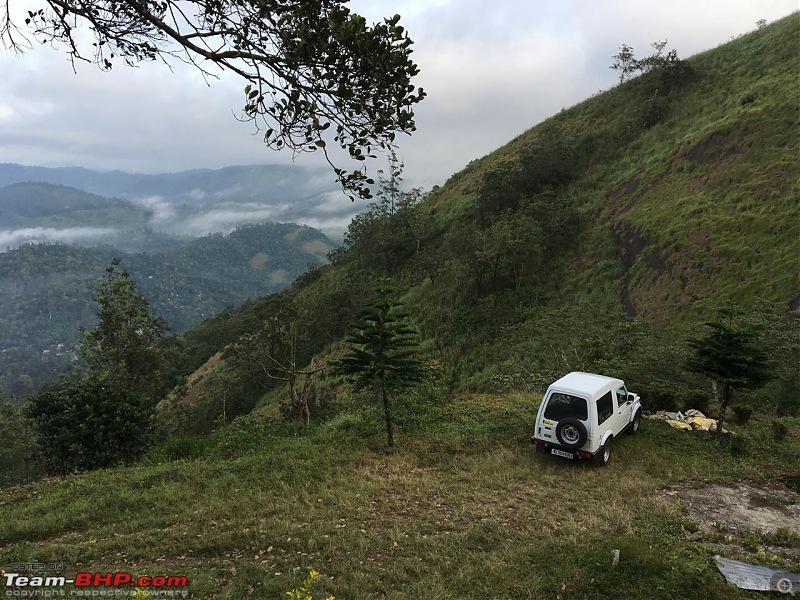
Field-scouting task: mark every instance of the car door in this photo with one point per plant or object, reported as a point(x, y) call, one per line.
point(622, 409)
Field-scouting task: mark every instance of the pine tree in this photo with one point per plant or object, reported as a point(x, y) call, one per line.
point(730, 356)
point(383, 350)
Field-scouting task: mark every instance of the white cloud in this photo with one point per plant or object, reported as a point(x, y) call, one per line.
point(163, 212)
point(17, 237)
point(492, 70)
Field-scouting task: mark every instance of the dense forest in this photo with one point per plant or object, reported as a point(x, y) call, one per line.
point(47, 290)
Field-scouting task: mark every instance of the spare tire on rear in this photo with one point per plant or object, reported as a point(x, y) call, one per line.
point(571, 433)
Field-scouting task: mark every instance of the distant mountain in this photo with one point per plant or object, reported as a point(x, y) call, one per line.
point(32, 204)
point(47, 290)
point(203, 201)
point(270, 183)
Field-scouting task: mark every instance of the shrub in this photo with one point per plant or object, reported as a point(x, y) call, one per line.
point(656, 398)
point(698, 401)
point(304, 591)
point(779, 430)
point(740, 446)
point(184, 446)
point(743, 413)
point(653, 111)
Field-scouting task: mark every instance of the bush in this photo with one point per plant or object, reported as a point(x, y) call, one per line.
point(743, 413)
point(185, 446)
point(740, 446)
point(779, 430)
point(90, 423)
point(656, 398)
point(698, 401)
point(653, 111)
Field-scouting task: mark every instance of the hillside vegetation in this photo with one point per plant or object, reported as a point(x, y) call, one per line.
point(47, 289)
point(596, 241)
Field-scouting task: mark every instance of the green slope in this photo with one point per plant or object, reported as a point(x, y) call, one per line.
point(701, 206)
point(646, 207)
point(631, 235)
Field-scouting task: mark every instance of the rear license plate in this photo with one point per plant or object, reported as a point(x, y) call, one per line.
point(562, 453)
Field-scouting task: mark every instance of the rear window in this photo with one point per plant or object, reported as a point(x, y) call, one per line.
point(562, 406)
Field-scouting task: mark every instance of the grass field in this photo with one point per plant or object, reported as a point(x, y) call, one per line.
point(463, 509)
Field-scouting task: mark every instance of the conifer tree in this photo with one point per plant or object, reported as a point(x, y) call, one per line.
point(730, 356)
point(383, 350)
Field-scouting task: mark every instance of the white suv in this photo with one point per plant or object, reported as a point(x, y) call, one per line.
point(582, 413)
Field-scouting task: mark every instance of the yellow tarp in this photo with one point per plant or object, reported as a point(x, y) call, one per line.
point(703, 423)
point(679, 425)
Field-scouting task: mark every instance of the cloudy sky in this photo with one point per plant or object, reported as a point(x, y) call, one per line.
point(492, 69)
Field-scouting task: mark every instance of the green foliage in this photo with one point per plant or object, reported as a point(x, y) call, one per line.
point(18, 457)
point(383, 350)
point(740, 446)
point(655, 398)
point(46, 292)
point(666, 65)
point(91, 422)
point(391, 230)
point(731, 356)
point(124, 341)
point(779, 430)
point(743, 413)
point(697, 400)
point(105, 416)
point(184, 447)
point(304, 591)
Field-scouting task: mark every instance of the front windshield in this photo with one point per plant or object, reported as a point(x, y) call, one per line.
point(562, 406)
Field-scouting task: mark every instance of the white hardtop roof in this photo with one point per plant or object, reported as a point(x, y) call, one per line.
point(585, 384)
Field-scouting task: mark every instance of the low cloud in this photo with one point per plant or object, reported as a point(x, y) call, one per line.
point(163, 212)
point(13, 238)
point(224, 218)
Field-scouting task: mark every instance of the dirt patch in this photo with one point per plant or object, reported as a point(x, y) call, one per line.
point(755, 506)
point(623, 189)
point(632, 244)
point(708, 150)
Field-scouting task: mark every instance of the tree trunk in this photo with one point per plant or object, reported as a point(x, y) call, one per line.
point(387, 411)
point(727, 394)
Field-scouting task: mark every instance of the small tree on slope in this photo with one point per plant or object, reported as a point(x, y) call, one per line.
point(729, 355)
point(383, 351)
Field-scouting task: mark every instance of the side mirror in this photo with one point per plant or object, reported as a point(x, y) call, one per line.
point(630, 397)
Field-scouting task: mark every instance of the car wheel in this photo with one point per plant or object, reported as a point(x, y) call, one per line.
point(601, 458)
point(633, 429)
point(571, 433)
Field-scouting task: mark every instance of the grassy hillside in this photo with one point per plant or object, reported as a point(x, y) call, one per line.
point(601, 238)
point(595, 241)
point(702, 205)
point(465, 509)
